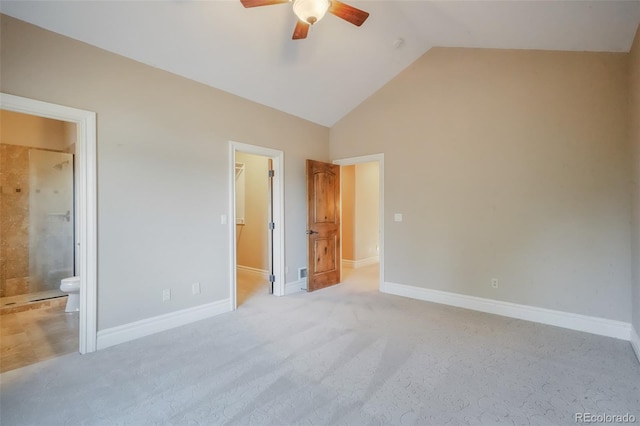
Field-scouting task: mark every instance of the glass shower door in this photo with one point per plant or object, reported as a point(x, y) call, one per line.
point(51, 219)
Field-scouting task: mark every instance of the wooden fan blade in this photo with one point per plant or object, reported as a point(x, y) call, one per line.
point(256, 3)
point(348, 13)
point(301, 30)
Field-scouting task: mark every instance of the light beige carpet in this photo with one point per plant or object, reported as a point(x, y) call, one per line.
point(344, 355)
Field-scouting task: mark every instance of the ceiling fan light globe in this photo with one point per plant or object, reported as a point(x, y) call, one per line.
point(310, 11)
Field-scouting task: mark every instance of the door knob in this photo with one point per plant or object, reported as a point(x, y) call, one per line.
point(309, 232)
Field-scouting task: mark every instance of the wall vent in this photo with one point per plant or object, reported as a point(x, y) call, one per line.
point(302, 273)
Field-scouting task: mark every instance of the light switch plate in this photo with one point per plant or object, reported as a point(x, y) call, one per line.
point(397, 217)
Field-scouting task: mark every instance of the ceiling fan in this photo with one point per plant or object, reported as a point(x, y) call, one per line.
point(311, 11)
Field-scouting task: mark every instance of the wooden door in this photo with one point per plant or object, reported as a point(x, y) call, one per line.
point(323, 224)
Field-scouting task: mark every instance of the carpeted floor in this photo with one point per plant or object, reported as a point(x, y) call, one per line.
point(344, 355)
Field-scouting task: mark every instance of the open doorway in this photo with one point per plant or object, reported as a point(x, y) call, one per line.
point(256, 222)
point(36, 243)
point(253, 234)
point(362, 201)
point(81, 259)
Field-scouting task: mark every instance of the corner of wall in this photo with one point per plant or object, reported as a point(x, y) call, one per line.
point(634, 135)
point(635, 342)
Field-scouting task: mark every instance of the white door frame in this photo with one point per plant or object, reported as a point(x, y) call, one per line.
point(85, 200)
point(278, 215)
point(379, 158)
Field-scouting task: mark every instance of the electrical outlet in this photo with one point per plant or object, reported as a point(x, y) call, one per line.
point(494, 282)
point(166, 294)
point(195, 288)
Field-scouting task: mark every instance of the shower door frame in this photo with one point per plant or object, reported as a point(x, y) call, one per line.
point(85, 203)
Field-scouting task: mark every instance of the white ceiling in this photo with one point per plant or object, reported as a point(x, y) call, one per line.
point(249, 52)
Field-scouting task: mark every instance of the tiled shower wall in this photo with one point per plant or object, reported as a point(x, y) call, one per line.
point(14, 220)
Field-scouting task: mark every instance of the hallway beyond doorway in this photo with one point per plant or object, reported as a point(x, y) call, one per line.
point(249, 285)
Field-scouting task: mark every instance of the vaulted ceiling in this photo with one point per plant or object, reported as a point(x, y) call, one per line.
point(249, 52)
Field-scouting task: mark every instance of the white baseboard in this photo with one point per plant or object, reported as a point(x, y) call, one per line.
point(135, 330)
point(295, 287)
point(355, 264)
point(262, 272)
point(594, 325)
point(635, 342)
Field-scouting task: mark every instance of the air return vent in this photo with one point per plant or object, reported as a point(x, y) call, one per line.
point(302, 273)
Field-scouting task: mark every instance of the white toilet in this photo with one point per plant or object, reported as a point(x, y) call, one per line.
point(71, 285)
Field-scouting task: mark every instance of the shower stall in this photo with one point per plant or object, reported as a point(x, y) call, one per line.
point(36, 221)
point(51, 250)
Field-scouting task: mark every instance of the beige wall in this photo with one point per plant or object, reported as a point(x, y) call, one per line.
point(348, 217)
point(505, 164)
point(252, 236)
point(163, 173)
point(635, 178)
point(367, 211)
point(32, 131)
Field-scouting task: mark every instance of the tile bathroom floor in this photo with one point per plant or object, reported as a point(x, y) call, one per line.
point(34, 335)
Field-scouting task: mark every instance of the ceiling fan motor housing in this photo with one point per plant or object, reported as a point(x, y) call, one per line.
point(310, 11)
